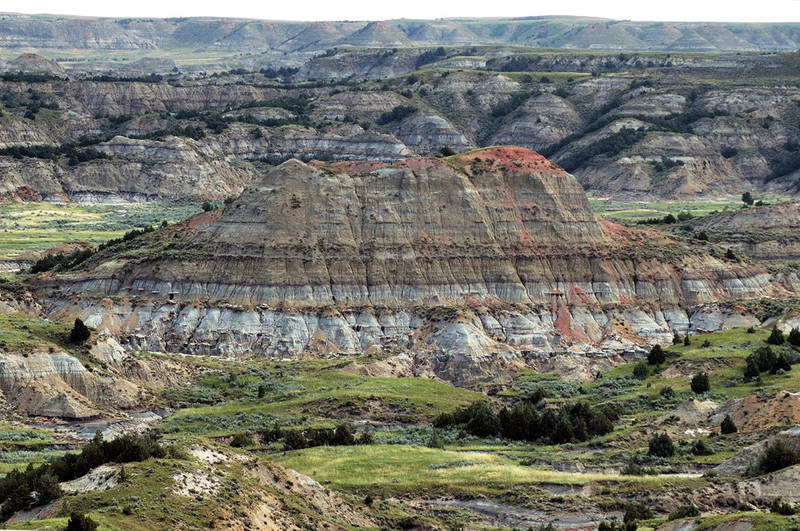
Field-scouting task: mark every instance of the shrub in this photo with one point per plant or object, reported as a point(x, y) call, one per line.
point(667, 392)
point(447, 151)
point(727, 426)
point(80, 522)
point(794, 337)
point(700, 383)
point(398, 113)
point(751, 330)
point(700, 447)
point(776, 457)
point(661, 446)
point(779, 507)
point(207, 206)
point(636, 511)
point(435, 441)
point(676, 339)
point(747, 198)
point(751, 370)
point(687, 341)
point(657, 356)
point(686, 511)
point(640, 370)
point(776, 337)
point(241, 440)
point(79, 332)
point(729, 152)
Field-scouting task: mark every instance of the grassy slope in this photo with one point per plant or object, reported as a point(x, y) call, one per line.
point(37, 226)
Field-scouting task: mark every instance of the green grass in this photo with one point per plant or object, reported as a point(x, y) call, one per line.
point(405, 469)
point(304, 393)
point(632, 211)
point(36, 226)
point(19, 330)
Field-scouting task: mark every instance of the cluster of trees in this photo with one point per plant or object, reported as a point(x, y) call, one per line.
point(33, 486)
point(776, 456)
point(431, 56)
point(190, 131)
point(578, 421)
point(74, 154)
point(284, 71)
point(666, 164)
point(150, 78)
point(343, 434)
point(789, 163)
point(131, 234)
point(61, 261)
point(765, 360)
point(609, 146)
point(398, 113)
point(505, 108)
point(28, 77)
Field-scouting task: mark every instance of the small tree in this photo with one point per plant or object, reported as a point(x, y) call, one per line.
point(751, 370)
point(241, 440)
point(729, 254)
point(80, 522)
point(661, 446)
point(640, 370)
point(794, 337)
point(687, 341)
point(727, 427)
point(676, 339)
point(776, 337)
point(657, 356)
point(700, 383)
point(776, 457)
point(207, 206)
point(447, 151)
point(747, 198)
point(79, 332)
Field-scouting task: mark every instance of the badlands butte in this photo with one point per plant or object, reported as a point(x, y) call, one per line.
point(536, 273)
point(467, 268)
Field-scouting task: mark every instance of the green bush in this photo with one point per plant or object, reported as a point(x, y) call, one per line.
point(794, 337)
point(727, 427)
point(700, 447)
point(661, 446)
point(657, 356)
point(776, 457)
point(700, 383)
point(776, 337)
point(780, 507)
point(241, 440)
point(80, 522)
point(79, 332)
point(640, 370)
point(686, 511)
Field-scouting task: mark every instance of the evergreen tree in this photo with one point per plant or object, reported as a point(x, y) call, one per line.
point(657, 356)
point(794, 337)
point(752, 371)
point(776, 337)
point(79, 333)
point(700, 383)
point(661, 446)
point(727, 427)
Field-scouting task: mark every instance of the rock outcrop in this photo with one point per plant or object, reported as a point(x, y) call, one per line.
point(483, 260)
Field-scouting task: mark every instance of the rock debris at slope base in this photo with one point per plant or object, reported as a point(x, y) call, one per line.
point(478, 264)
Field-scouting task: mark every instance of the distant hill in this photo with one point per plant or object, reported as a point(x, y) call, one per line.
point(65, 32)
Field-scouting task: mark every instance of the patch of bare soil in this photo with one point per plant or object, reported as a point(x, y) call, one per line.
point(688, 368)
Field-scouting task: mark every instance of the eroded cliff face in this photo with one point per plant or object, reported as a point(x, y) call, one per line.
point(474, 265)
point(702, 140)
point(46, 381)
